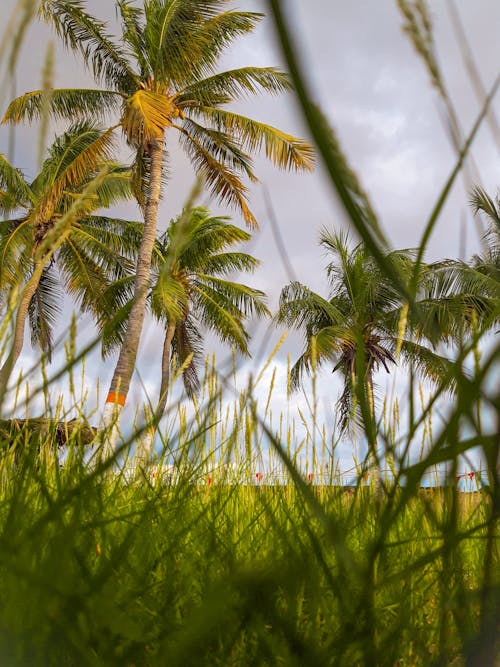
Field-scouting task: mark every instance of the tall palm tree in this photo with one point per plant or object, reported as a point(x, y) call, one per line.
point(161, 77)
point(52, 234)
point(193, 291)
point(461, 302)
point(359, 327)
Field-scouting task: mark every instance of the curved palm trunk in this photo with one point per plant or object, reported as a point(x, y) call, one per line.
point(22, 312)
point(124, 369)
point(144, 448)
point(165, 373)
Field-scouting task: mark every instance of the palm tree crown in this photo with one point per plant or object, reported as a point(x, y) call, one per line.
point(52, 232)
point(459, 298)
point(359, 327)
point(488, 262)
point(193, 291)
point(162, 75)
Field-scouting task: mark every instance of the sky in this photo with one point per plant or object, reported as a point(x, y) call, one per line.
point(376, 94)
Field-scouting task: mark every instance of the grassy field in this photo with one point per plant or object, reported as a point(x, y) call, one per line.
point(101, 569)
point(97, 572)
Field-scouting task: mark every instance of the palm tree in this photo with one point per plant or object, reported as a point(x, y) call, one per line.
point(161, 77)
point(53, 234)
point(463, 298)
point(192, 291)
point(488, 262)
point(361, 326)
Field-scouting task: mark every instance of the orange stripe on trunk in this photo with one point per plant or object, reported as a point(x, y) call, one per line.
point(113, 397)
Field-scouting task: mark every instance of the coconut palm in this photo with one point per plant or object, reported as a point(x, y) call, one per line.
point(51, 234)
point(360, 327)
point(488, 262)
point(458, 298)
point(161, 78)
point(193, 291)
point(459, 302)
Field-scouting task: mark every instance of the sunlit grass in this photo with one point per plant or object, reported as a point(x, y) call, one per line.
point(108, 571)
point(194, 559)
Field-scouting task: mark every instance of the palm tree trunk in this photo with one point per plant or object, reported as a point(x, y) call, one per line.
point(145, 446)
point(374, 459)
point(22, 312)
point(124, 369)
point(165, 372)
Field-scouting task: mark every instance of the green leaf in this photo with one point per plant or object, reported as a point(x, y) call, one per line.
point(83, 32)
point(285, 150)
point(233, 85)
point(64, 104)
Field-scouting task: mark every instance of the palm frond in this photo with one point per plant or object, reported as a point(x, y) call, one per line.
point(203, 236)
point(215, 313)
point(79, 31)
point(92, 241)
point(356, 281)
point(184, 39)
point(300, 307)
point(221, 180)
point(9, 203)
point(347, 415)
point(187, 343)
point(16, 243)
point(214, 35)
point(481, 201)
point(233, 85)
point(120, 236)
point(429, 364)
point(330, 340)
point(323, 347)
point(285, 150)
point(132, 18)
point(166, 31)
point(146, 116)
point(12, 180)
point(221, 146)
point(229, 262)
point(83, 278)
point(299, 369)
point(247, 300)
point(74, 159)
point(43, 310)
point(117, 300)
point(64, 104)
point(116, 186)
point(453, 295)
point(169, 298)
point(448, 318)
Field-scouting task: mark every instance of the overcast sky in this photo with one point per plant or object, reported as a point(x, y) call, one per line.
point(377, 95)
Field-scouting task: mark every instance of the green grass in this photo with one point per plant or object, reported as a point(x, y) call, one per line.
point(96, 571)
point(138, 566)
